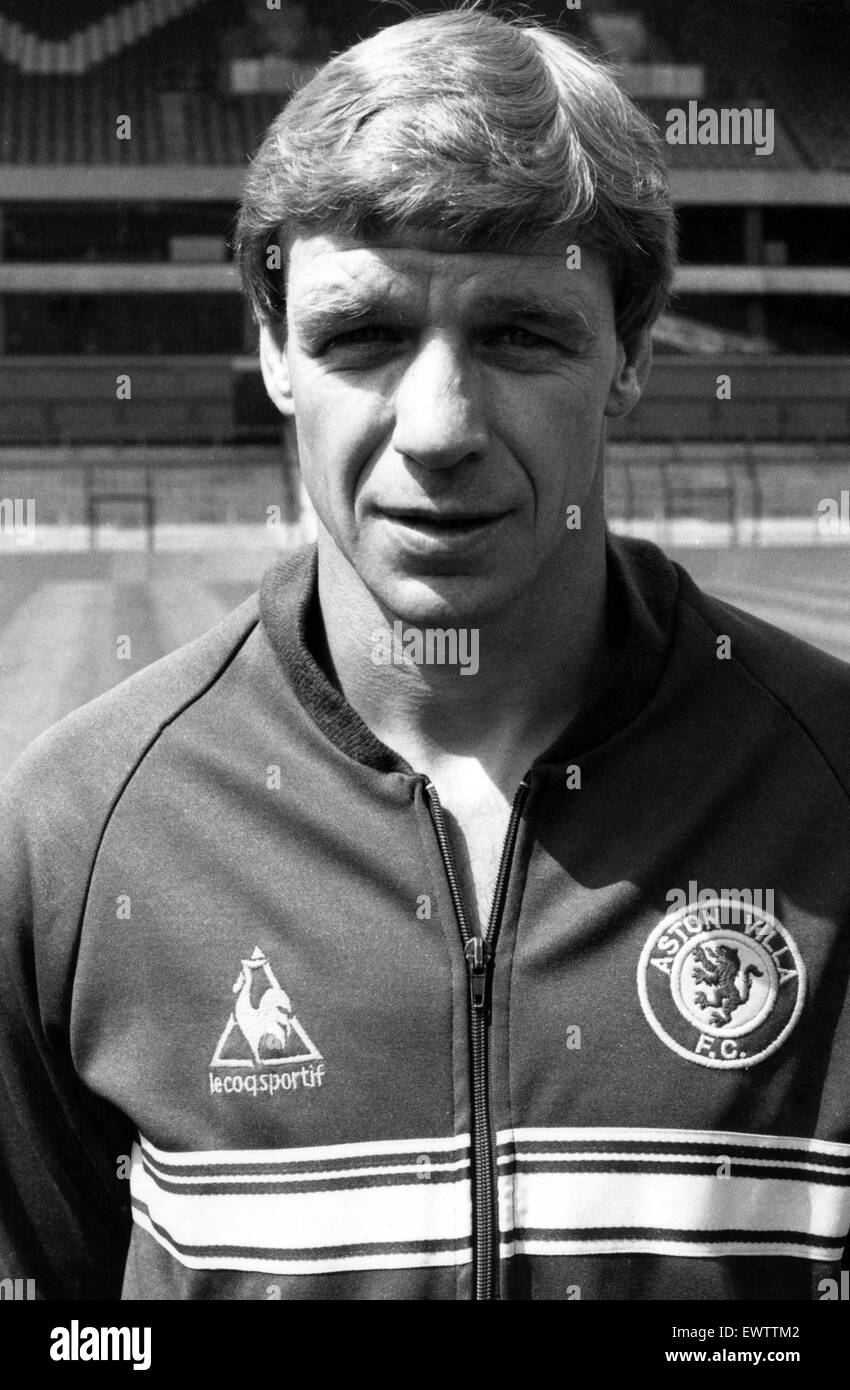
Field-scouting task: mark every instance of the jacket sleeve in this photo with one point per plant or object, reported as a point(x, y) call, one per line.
point(64, 1151)
point(64, 1202)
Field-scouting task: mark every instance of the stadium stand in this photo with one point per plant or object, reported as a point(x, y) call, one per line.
point(790, 53)
point(166, 77)
point(108, 33)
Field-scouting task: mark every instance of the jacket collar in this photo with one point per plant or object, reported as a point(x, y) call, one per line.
point(642, 593)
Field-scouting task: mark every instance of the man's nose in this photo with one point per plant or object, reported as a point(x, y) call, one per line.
point(440, 417)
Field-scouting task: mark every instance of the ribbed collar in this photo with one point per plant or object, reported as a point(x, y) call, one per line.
point(642, 592)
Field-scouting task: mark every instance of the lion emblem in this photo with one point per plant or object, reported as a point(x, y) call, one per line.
point(718, 967)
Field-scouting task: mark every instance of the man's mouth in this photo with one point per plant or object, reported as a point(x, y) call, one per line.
point(437, 522)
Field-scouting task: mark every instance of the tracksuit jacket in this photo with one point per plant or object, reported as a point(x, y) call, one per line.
point(252, 1047)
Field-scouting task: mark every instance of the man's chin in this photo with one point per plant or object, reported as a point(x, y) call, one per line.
point(429, 587)
point(442, 600)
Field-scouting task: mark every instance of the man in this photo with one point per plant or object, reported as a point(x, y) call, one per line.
point(381, 937)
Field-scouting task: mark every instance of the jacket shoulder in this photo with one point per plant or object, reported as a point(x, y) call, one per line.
point(81, 763)
point(811, 686)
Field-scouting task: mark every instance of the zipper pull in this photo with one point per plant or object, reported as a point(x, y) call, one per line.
point(477, 958)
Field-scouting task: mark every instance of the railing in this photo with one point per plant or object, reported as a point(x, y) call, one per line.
point(99, 496)
point(728, 494)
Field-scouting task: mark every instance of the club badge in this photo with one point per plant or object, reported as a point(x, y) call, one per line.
point(721, 982)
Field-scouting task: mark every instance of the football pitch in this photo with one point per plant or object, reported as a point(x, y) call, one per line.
point(72, 625)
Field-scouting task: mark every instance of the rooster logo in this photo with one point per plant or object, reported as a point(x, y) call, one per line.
point(262, 1014)
point(270, 1020)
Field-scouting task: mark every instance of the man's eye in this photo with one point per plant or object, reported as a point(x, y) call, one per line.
point(518, 337)
point(356, 337)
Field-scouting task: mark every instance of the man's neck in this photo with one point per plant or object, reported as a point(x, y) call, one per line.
point(537, 664)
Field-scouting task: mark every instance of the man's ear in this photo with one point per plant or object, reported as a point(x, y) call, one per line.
point(631, 374)
point(276, 367)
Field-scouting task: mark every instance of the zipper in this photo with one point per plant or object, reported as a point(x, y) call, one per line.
point(478, 952)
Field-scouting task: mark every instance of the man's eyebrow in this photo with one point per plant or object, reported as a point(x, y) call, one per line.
point(326, 310)
point(532, 307)
point(323, 309)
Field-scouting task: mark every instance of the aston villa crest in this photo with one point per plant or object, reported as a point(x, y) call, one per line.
point(722, 983)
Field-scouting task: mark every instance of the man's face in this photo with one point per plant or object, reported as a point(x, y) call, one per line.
point(449, 411)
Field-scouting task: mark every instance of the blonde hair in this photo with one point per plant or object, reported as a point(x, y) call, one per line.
point(495, 133)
